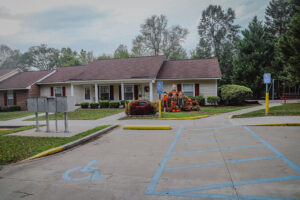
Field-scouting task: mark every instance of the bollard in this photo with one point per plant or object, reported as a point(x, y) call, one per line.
point(66, 123)
point(37, 122)
point(47, 122)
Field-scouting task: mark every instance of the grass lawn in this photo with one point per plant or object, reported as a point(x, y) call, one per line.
point(291, 109)
point(205, 110)
point(84, 114)
point(16, 148)
point(4, 116)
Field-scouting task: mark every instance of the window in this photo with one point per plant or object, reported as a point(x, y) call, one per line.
point(188, 89)
point(57, 91)
point(128, 92)
point(87, 93)
point(10, 98)
point(104, 92)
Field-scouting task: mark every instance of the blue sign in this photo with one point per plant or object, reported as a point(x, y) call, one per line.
point(267, 78)
point(159, 87)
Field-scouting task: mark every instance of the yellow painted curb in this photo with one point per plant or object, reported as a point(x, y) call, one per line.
point(283, 124)
point(146, 127)
point(44, 153)
point(230, 116)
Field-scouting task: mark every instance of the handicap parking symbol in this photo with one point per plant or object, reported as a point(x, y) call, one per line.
point(94, 173)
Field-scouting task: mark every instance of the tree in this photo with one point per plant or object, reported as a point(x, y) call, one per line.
point(85, 57)
point(121, 52)
point(288, 48)
point(178, 54)
point(156, 39)
point(68, 57)
point(104, 56)
point(218, 38)
point(252, 58)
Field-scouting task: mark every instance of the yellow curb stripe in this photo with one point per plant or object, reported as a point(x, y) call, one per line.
point(146, 127)
point(230, 116)
point(282, 124)
point(44, 153)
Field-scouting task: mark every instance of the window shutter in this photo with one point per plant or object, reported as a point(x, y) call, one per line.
point(136, 92)
point(15, 98)
point(178, 87)
point(64, 91)
point(111, 92)
point(5, 98)
point(197, 89)
point(51, 91)
point(120, 93)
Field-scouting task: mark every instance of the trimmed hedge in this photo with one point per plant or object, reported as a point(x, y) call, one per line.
point(123, 102)
point(14, 108)
point(213, 100)
point(235, 94)
point(200, 99)
point(104, 104)
point(94, 105)
point(114, 104)
point(84, 105)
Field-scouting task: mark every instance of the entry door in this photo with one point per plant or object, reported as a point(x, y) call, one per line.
point(87, 93)
point(145, 91)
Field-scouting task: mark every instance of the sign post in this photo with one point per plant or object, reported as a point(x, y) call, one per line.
point(159, 91)
point(267, 80)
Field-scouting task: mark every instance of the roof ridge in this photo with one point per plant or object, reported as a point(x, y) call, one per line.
point(193, 59)
point(130, 57)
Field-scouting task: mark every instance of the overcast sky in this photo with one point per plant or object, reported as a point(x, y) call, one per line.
point(100, 26)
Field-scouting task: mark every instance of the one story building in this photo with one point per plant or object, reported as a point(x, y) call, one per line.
point(125, 79)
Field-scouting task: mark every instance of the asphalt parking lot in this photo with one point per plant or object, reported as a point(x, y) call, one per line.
point(191, 161)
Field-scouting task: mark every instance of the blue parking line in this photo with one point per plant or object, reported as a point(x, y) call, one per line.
point(213, 140)
point(161, 167)
point(290, 163)
point(222, 163)
point(213, 133)
point(218, 149)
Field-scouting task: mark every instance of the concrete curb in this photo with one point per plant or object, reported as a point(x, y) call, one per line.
point(186, 118)
point(71, 144)
point(147, 127)
point(281, 124)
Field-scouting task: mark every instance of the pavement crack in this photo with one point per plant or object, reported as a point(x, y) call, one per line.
point(23, 194)
point(226, 165)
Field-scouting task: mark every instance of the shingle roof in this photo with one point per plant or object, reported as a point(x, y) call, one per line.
point(64, 74)
point(5, 71)
point(23, 80)
point(189, 69)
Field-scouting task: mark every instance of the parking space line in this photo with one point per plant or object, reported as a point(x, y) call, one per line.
point(213, 140)
point(218, 149)
point(214, 133)
point(293, 165)
point(222, 163)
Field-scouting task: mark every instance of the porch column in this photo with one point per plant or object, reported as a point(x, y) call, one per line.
point(72, 90)
point(96, 92)
point(151, 91)
point(122, 90)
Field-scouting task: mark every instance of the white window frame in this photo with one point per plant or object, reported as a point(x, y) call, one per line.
point(10, 93)
point(54, 91)
point(108, 89)
point(188, 84)
point(85, 87)
point(132, 86)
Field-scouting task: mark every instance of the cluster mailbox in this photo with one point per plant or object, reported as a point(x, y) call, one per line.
point(52, 105)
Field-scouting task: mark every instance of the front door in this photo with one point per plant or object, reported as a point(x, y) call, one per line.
point(145, 91)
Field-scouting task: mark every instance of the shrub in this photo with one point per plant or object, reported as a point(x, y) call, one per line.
point(104, 104)
point(0, 109)
point(94, 105)
point(201, 100)
point(123, 102)
point(84, 105)
point(213, 100)
point(235, 94)
point(14, 108)
point(114, 104)
point(135, 108)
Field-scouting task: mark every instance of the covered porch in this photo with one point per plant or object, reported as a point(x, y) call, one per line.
point(111, 90)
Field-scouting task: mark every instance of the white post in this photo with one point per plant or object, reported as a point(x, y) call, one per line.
point(122, 90)
point(72, 90)
point(151, 91)
point(96, 92)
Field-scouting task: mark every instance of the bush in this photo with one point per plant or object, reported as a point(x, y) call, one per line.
point(84, 105)
point(104, 104)
point(114, 104)
point(0, 109)
point(235, 94)
point(123, 102)
point(135, 108)
point(201, 100)
point(14, 108)
point(94, 105)
point(213, 100)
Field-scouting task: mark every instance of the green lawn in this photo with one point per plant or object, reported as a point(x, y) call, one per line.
point(205, 110)
point(4, 116)
point(16, 148)
point(291, 109)
point(84, 114)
